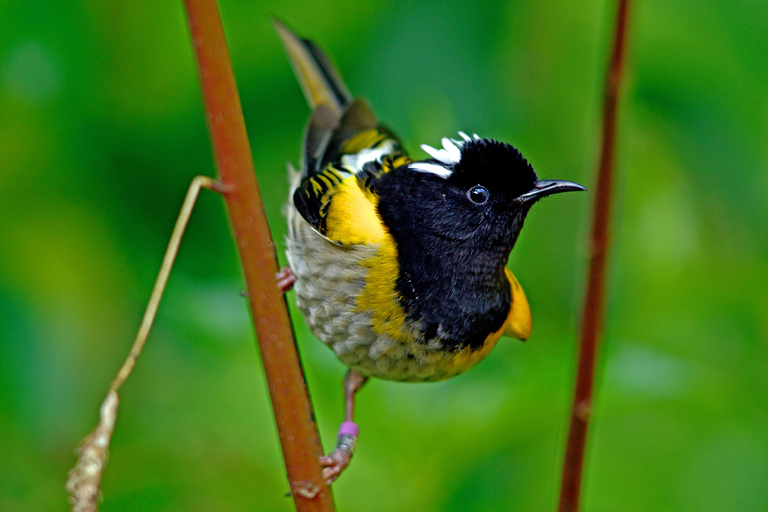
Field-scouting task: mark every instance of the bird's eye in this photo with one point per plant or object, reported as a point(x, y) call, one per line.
point(478, 194)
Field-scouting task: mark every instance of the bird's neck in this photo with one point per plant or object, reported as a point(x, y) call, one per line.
point(459, 292)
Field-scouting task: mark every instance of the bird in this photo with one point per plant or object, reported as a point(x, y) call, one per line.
point(400, 265)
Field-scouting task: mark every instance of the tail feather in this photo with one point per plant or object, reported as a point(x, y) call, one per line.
point(319, 79)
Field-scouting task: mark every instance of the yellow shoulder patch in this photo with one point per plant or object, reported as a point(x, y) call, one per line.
point(352, 218)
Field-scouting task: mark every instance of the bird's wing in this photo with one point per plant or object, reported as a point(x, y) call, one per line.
point(340, 201)
point(345, 150)
point(325, 137)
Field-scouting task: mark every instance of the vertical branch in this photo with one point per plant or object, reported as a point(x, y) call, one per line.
point(293, 411)
point(592, 315)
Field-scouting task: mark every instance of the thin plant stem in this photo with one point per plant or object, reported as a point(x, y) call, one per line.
point(594, 304)
point(83, 483)
point(162, 278)
point(297, 430)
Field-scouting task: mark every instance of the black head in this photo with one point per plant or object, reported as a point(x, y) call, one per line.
point(474, 190)
point(498, 167)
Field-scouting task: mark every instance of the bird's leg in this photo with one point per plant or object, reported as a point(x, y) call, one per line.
point(335, 462)
point(285, 279)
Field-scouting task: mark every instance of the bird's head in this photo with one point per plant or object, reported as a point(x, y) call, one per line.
point(475, 191)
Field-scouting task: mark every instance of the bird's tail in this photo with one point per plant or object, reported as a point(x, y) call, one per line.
point(319, 79)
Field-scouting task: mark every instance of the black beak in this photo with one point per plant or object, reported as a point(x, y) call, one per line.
point(548, 187)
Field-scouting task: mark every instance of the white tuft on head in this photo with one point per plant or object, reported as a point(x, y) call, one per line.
point(432, 168)
point(450, 154)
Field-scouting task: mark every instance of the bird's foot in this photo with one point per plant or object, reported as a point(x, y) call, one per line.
point(285, 279)
point(338, 460)
point(334, 463)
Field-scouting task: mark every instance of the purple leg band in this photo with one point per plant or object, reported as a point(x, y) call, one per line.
point(350, 428)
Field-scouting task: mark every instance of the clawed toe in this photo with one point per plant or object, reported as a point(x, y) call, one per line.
point(334, 463)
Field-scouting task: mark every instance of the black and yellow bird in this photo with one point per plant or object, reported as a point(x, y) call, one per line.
point(398, 265)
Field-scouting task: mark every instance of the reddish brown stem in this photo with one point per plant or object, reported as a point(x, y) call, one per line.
point(592, 315)
point(293, 411)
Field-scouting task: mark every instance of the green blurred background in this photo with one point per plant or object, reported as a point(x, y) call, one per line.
point(101, 131)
